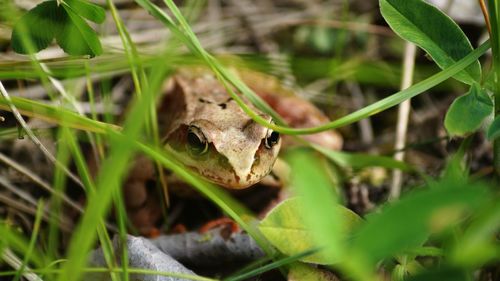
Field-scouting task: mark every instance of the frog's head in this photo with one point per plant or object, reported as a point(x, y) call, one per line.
point(234, 157)
point(220, 142)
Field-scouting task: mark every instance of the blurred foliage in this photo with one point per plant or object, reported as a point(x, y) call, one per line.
point(444, 229)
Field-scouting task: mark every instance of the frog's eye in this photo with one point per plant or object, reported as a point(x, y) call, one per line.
point(272, 138)
point(196, 142)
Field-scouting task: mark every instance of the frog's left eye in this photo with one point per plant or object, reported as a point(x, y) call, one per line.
point(272, 138)
point(196, 142)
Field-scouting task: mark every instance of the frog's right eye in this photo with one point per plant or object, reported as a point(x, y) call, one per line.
point(272, 138)
point(196, 142)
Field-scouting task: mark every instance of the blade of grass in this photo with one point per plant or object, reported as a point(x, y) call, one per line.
point(122, 227)
point(119, 270)
point(52, 114)
point(362, 160)
point(271, 266)
point(187, 36)
point(110, 176)
point(139, 78)
point(17, 242)
point(494, 11)
point(81, 166)
point(59, 185)
point(111, 173)
point(96, 141)
point(34, 237)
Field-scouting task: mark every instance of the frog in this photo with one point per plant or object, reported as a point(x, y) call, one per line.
point(208, 132)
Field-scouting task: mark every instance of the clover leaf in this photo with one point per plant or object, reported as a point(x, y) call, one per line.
point(36, 29)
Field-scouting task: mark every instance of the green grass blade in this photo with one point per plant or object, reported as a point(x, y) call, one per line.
point(273, 265)
point(49, 113)
point(187, 36)
point(362, 160)
point(432, 30)
point(84, 173)
point(34, 237)
point(17, 242)
point(58, 115)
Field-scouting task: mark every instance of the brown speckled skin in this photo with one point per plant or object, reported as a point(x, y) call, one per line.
point(296, 111)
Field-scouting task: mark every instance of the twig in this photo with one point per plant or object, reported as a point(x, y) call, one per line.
point(403, 116)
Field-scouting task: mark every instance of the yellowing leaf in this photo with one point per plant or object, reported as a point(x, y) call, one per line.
point(286, 229)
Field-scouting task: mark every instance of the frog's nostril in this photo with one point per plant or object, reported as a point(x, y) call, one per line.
point(256, 160)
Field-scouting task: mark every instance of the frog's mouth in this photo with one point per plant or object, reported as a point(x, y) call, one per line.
point(224, 175)
point(231, 183)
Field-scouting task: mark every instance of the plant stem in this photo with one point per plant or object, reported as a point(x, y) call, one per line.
point(403, 118)
point(493, 10)
point(496, 142)
point(485, 14)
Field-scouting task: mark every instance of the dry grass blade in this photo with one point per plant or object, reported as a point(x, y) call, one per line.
point(39, 181)
point(64, 222)
point(34, 138)
point(15, 262)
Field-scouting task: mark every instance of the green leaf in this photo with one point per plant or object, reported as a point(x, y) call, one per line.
point(467, 112)
point(287, 230)
point(494, 130)
point(362, 160)
point(406, 224)
point(88, 10)
point(36, 29)
point(39, 26)
point(78, 38)
point(430, 29)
